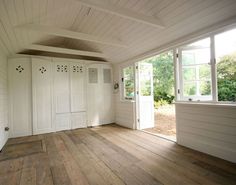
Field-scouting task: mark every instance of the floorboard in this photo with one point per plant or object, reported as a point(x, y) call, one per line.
point(108, 155)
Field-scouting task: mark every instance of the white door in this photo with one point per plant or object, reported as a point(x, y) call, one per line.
point(78, 95)
point(78, 87)
point(20, 99)
point(42, 96)
point(94, 95)
point(61, 84)
point(145, 100)
point(107, 89)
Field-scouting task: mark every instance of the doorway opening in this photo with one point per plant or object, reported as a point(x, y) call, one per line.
point(162, 87)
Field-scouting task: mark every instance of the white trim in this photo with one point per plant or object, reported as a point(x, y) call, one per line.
point(214, 87)
point(50, 57)
point(229, 104)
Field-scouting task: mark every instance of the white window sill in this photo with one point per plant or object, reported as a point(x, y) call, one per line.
point(216, 104)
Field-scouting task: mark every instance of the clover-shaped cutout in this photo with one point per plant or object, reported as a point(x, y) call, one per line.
point(42, 69)
point(19, 69)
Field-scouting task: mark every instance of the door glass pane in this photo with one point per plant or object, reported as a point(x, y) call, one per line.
point(225, 49)
point(145, 80)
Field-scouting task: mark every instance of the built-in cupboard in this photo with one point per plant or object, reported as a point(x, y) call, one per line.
point(48, 95)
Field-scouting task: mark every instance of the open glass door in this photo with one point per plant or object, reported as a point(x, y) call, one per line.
point(145, 101)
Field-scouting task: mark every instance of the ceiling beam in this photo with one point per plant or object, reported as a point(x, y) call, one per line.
point(65, 51)
point(122, 12)
point(70, 34)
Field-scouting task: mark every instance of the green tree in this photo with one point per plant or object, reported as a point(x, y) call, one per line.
point(163, 76)
point(226, 78)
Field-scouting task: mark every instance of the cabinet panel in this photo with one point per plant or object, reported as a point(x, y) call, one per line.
point(42, 96)
point(19, 73)
point(61, 87)
point(95, 99)
point(78, 87)
point(100, 97)
point(63, 121)
point(78, 120)
point(107, 94)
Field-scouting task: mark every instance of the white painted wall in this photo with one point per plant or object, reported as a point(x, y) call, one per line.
point(209, 128)
point(124, 110)
point(3, 100)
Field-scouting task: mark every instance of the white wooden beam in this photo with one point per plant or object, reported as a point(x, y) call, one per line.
point(65, 51)
point(70, 34)
point(122, 12)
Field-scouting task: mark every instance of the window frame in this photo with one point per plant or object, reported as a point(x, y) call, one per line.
point(178, 68)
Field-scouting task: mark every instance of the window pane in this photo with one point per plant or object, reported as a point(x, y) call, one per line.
point(188, 58)
point(189, 73)
point(205, 72)
point(205, 88)
point(196, 53)
point(225, 49)
point(128, 79)
point(190, 88)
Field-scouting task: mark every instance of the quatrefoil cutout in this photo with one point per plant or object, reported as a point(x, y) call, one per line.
point(78, 69)
point(62, 68)
point(42, 70)
point(19, 69)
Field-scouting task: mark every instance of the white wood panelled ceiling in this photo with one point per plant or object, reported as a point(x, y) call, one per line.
point(106, 30)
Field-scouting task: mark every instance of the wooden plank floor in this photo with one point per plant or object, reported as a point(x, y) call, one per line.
point(109, 155)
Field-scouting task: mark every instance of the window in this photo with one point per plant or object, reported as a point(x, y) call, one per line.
point(195, 71)
point(128, 82)
point(225, 54)
point(207, 68)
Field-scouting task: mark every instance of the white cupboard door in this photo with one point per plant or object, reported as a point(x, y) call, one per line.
point(78, 120)
point(63, 121)
point(107, 95)
point(61, 84)
point(94, 95)
point(19, 73)
point(78, 87)
point(61, 87)
point(42, 96)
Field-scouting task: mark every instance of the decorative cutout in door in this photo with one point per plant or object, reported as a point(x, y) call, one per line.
point(19, 69)
point(62, 68)
point(77, 69)
point(42, 69)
